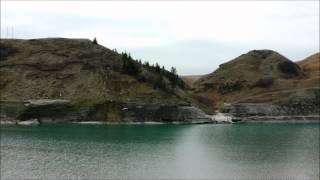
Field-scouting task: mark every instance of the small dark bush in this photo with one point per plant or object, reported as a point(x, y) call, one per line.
point(289, 68)
point(208, 86)
point(262, 53)
point(6, 51)
point(264, 82)
point(159, 83)
point(230, 87)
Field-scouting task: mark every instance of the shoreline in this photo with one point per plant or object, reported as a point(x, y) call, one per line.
point(277, 119)
point(262, 120)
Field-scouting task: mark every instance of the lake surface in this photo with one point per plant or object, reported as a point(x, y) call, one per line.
point(214, 151)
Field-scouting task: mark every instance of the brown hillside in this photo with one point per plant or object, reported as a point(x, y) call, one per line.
point(57, 80)
point(257, 76)
point(75, 69)
point(311, 65)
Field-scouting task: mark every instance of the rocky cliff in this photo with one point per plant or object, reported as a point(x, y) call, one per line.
point(303, 106)
point(67, 80)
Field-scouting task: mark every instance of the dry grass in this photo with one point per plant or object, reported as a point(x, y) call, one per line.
point(311, 65)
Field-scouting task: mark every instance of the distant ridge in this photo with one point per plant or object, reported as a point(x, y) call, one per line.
point(311, 65)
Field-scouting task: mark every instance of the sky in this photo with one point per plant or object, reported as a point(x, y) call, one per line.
point(193, 36)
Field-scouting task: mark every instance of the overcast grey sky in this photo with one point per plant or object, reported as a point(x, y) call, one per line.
point(193, 36)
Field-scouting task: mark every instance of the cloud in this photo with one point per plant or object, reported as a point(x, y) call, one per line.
point(174, 33)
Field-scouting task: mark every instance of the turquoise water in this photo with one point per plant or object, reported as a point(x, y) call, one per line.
point(214, 151)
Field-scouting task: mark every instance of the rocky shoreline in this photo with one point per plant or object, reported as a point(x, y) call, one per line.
point(269, 112)
point(254, 119)
point(279, 119)
point(62, 111)
point(55, 111)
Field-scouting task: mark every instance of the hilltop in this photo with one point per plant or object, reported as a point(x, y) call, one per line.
point(311, 66)
point(77, 80)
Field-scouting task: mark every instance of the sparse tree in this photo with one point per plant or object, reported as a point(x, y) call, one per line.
point(163, 70)
point(157, 68)
point(129, 65)
point(173, 70)
point(173, 77)
point(95, 41)
point(146, 63)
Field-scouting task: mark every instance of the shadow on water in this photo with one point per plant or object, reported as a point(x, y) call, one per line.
point(97, 133)
point(81, 139)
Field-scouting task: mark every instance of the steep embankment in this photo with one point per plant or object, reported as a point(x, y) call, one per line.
point(63, 80)
point(261, 78)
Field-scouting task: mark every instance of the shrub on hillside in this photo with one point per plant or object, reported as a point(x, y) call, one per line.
point(289, 68)
point(159, 83)
point(6, 50)
point(264, 82)
point(230, 86)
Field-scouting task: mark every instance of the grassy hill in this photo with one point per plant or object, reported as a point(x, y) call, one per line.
point(71, 68)
point(92, 80)
point(258, 76)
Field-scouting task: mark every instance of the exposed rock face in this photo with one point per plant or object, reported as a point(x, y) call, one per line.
point(61, 111)
point(166, 114)
point(43, 111)
point(267, 109)
point(296, 107)
point(65, 80)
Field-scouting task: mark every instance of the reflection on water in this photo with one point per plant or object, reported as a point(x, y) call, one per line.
point(161, 151)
